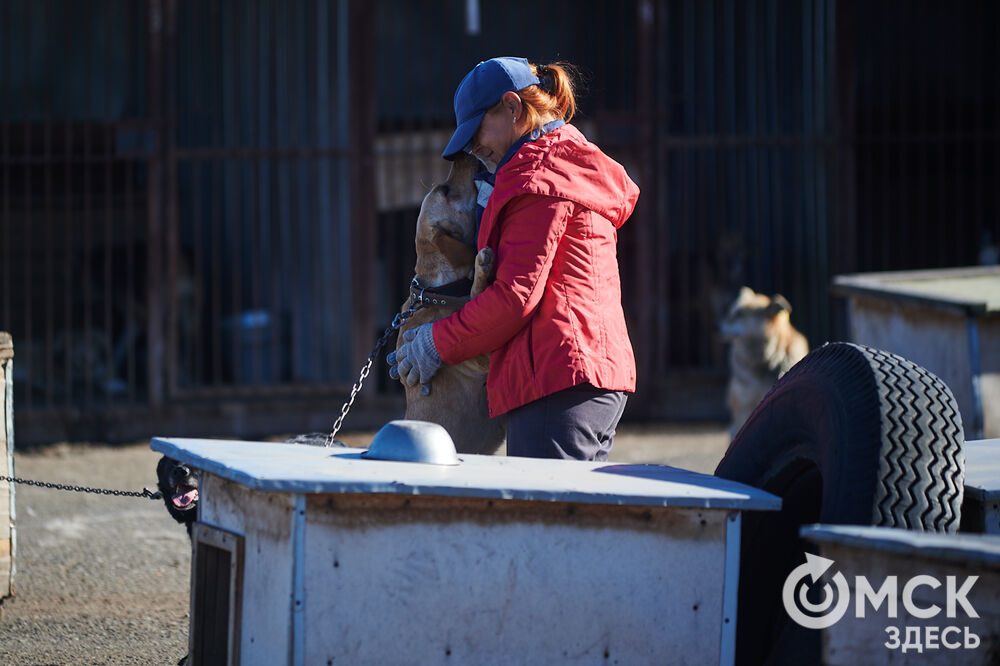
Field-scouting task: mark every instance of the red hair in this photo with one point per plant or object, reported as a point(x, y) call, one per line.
point(555, 95)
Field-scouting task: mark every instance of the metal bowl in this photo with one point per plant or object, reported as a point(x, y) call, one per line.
point(413, 441)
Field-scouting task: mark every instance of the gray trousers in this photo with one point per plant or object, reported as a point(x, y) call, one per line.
point(577, 423)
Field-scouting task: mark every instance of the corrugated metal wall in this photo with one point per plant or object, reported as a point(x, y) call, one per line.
point(927, 129)
point(740, 105)
point(74, 198)
point(187, 206)
point(264, 159)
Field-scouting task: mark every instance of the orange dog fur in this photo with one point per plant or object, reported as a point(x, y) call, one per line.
point(445, 244)
point(763, 346)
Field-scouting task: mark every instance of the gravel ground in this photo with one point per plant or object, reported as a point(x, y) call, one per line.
point(105, 580)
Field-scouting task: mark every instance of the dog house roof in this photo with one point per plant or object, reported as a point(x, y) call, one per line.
point(279, 467)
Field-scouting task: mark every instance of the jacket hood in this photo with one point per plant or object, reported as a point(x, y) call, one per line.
point(562, 163)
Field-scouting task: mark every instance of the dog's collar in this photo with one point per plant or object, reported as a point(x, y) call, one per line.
point(452, 294)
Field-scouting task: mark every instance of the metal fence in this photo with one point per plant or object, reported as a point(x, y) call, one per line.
point(926, 134)
point(213, 202)
point(74, 200)
point(187, 203)
point(741, 152)
point(263, 160)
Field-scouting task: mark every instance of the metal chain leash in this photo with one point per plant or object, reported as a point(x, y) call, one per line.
point(396, 324)
point(146, 492)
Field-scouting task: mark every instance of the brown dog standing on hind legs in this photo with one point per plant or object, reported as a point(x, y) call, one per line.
point(446, 261)
point(763, 346)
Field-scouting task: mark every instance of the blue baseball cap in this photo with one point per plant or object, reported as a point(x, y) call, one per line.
point(479, 91)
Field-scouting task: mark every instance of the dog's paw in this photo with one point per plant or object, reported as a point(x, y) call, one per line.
point(485, 269)
point(484, 261)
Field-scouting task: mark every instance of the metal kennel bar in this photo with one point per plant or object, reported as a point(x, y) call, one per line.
point(71, 216)
point(270, 227)
point(186, 206)
point(779, 143)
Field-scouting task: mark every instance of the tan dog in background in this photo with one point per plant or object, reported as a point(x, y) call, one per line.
point(446, 252)
point(763, 346)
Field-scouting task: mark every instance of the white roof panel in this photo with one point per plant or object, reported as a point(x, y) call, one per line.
point(271, 466)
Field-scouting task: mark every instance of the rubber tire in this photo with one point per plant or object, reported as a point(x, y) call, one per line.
point(851, 436)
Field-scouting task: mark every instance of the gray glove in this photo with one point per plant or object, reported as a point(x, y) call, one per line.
point(417, 359)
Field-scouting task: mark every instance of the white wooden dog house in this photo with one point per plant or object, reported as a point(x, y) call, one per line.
point(946, 320)
point(309, 555)
point(981, 506)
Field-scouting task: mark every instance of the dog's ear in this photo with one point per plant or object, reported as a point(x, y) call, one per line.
point(746, 295)
point(163, 467)
point(778, 304)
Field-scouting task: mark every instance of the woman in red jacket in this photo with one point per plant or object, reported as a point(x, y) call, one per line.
point(560, 358)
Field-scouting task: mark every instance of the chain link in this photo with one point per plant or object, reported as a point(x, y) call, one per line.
point(396, 324)
point(146, 492)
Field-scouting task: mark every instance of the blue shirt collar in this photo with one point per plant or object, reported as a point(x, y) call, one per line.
point(530, 136)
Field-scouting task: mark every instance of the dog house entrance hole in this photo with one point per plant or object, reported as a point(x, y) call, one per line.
point(216, 591)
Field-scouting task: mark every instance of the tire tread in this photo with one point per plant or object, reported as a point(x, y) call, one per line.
point(922, 464)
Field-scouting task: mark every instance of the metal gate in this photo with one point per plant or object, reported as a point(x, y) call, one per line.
point(268, 163)
point(186, 206)
point(735, 142)
point(75, 195)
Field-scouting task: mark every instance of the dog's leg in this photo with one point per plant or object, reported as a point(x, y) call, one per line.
point(485, 270)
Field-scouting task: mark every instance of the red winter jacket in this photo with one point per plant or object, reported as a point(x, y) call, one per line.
point(553, 318)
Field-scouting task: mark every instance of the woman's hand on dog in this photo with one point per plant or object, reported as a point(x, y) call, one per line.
point(417, 359)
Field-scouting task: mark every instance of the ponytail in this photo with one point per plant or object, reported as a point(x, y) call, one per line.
point(555, 94)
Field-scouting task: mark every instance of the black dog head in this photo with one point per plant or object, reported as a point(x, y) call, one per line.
point(179, 487)
point(178, 484)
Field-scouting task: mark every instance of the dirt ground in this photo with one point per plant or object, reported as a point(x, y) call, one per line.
point(105, 580)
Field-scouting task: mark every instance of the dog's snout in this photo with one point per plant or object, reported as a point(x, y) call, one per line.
point(179, 475)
